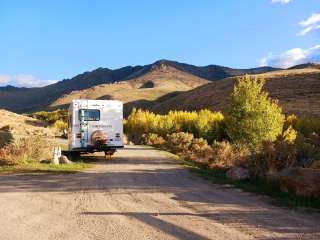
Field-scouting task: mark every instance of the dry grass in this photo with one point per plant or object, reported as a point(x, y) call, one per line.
point(24, 150)
point(297, 90)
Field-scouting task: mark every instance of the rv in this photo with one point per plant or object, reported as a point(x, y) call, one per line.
point(95, 125)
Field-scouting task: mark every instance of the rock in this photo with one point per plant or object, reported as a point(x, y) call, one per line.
point(300, 181)
point(238, 173)
point(64, 160)
point(315, 164)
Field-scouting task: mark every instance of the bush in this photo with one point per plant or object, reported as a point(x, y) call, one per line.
point(51, 117)
point(308, 125)
point(276, 156)
point(25, 150)
point(225, 154)
point(60, 126)
point(138, 123)
point(200, 151)
point(154, 140)
point(179, 142)
point(308, 149)
point(203, 124)
point(252, 116)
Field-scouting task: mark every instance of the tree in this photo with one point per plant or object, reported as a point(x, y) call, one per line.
point(252, 116)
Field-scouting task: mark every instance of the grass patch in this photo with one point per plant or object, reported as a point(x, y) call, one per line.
point(35, 167)
point(271, 189)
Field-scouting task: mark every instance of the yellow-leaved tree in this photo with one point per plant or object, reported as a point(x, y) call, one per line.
point(252, 116)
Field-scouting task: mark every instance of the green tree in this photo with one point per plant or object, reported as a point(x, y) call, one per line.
point(252, 116)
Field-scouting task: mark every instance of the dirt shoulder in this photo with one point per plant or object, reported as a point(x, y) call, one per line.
point(140, 194)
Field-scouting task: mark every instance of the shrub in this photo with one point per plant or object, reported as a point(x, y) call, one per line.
point(200, 151)
point(290, 135)
point(24, 150)
point(154, 140)
point(225, 154)
point(51, 117)
point(308, 149)
point(276, 156)
point(138, 123)
point(308, 125)
point(252, 116)
point(203, 124)
point(179, 142)
point(291, 120)
point(60, 126)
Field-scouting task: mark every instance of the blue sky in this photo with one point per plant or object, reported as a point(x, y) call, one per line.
point(45, 41)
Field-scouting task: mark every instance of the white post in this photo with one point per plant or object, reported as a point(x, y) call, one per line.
point(59, 152)
point(55, 158)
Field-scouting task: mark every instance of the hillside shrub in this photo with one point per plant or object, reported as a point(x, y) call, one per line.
point(56, 119)
point(252, 116)
point(51, 117)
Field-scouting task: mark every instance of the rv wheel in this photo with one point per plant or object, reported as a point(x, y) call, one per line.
point(74, 154)
point(109, 153)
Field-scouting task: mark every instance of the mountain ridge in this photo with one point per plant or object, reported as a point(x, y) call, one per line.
point(42, 98)
point(33, 99)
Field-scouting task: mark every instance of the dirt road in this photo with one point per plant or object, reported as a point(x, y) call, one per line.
point(140, 194)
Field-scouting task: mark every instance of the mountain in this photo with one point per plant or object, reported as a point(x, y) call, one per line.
point(141, 91)
point(297, 89)
point(44, 98)
point(312, 65)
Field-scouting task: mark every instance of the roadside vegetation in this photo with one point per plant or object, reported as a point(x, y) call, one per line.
point(252, 137)
point(57, 120)
point(32, 154)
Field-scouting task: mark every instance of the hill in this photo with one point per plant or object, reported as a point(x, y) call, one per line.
point(141, 91)
point(298, 92)
point(33, 99)
point(13, 126)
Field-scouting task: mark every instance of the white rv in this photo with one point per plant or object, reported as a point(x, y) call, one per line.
point(95, 125)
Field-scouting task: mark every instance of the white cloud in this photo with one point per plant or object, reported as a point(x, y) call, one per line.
point(23, 80)
point(291, 57)
point(280, 1)
point(4, 79)
point(310, 24)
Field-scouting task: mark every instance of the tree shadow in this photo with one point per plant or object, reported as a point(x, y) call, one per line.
point(6, 136)
point(36, 123)
point(227, 217)
point(152, 220)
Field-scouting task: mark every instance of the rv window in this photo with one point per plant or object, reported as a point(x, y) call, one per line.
point(90, 114)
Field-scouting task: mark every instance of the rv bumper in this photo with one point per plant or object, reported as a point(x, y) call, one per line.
point(101, 148)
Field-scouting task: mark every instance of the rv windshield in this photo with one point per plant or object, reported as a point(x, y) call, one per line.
point(89, 114)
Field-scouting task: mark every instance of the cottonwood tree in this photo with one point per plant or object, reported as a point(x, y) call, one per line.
point(252, 116)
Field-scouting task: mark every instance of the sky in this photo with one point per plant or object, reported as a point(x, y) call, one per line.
point(46, 41)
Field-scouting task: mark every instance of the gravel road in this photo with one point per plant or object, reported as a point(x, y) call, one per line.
point(140, 194)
